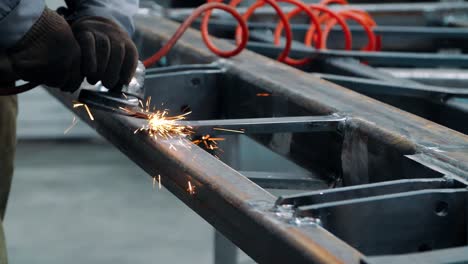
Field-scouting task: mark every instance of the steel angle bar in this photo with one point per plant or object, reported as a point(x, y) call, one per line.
point(375, 223)
point(440, 77)
point(373, 58)
point(404, 31)
point(184, 69)
point(300, 124)
point(354, 68)
point(402, 38)
point(451, 170)
point(262, 44)
point(367, 190)
point(369, 86)
point(459, 103)
point(286, 180)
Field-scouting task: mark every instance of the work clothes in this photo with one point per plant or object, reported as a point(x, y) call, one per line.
point(108, 53)
point(51, 53)
point(29, 44)
point(48, 54)
point(18, 16)
point(8, 112)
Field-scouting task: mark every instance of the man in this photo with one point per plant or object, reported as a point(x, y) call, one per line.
point(91, 39)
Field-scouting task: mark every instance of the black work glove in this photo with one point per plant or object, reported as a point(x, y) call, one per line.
point(108, 53)
point(48, 54)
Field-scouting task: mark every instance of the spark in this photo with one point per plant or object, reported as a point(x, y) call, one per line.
point(191, 188)
point(77, 104)
point(263, 94)
point(160, 124)
point(229, 130)
point(73, 124)
point(158, 180)
point(89, 112)
point(208, 142)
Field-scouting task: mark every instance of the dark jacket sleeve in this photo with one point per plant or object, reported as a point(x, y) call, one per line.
point(120, 11)
point(16, 18)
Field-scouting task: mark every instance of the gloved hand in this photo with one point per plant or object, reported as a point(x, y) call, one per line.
point(48, 54)
point(108, 53)
point(7, 75)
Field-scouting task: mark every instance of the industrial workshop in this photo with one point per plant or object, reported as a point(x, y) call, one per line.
point(233, 131)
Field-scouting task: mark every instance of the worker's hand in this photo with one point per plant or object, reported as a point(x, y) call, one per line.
point(48, 54)
point(108, 53)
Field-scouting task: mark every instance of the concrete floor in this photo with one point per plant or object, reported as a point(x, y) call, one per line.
point(84, 202)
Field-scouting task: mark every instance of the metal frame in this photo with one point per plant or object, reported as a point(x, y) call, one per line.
point(375, 142)
point(448, 105)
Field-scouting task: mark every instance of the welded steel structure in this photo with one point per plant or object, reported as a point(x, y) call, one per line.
point(382, 185)
point(419, 40)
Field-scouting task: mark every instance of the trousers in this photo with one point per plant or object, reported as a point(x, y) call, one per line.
point(8, 113)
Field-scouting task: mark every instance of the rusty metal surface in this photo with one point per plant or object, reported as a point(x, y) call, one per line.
point(225, 198)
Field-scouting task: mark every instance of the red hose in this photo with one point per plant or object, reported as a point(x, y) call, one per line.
point(198, 12)
point(348, 14)
point(322, 21)
point(281, 15)
point(314, 30)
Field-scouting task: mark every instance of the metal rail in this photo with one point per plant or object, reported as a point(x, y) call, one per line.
point(373, 58)
point(267, 125)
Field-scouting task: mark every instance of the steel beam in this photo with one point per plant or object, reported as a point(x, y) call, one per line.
point(373, 58)
point(285, 180)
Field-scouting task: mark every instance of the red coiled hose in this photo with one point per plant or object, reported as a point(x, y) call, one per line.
point(322, 21)
point(208, 7)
